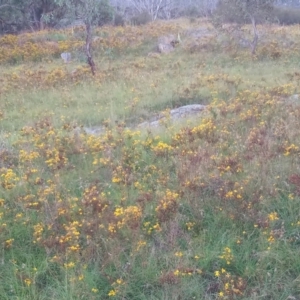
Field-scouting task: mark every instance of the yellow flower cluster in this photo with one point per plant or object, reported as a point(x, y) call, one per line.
point(8, 178)
point(229, 285)
point(167, 206)
point(227, 255)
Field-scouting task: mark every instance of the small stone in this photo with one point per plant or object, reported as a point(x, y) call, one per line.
point(66, 56)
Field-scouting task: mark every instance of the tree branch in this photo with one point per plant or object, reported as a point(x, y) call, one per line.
point(9, 5)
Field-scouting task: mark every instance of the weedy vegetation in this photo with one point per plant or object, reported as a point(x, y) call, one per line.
point(208, 208)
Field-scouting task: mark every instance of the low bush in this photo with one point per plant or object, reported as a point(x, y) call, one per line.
point(233, 12)
point(287, 16)
point(106, 13)
point(281, 15)
point(119, 20)
point(141, 18)
point(191, 12)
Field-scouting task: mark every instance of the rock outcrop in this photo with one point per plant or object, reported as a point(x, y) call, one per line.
point(174, 114)
point(167, 44)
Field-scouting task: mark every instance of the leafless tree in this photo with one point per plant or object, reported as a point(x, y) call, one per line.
point(88, 11)
point(242, 11)
point(165, 8)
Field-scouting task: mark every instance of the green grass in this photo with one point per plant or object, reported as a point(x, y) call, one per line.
point(207, 208)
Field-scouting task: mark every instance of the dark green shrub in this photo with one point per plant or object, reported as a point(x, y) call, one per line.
point(287, 15)
point(226, 13)
point(141, 18)
point(191, 12)
point(119, 20)
point(106, 13)
point(235, 11)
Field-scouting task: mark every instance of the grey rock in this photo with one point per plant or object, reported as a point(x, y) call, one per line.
point(66, 56)
point(175, 114)
point(295, 97)
point(97, 130)
point(165, 48)
point(96, 38)
point(166, 44)
point(293, 100)
point(183, 111)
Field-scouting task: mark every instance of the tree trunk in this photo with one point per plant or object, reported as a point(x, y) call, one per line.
point(36, 22)
point(42, 26)
point(88, 46)
point(255, 38)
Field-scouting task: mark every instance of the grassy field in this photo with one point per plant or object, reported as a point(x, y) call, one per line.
point(207, 208)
